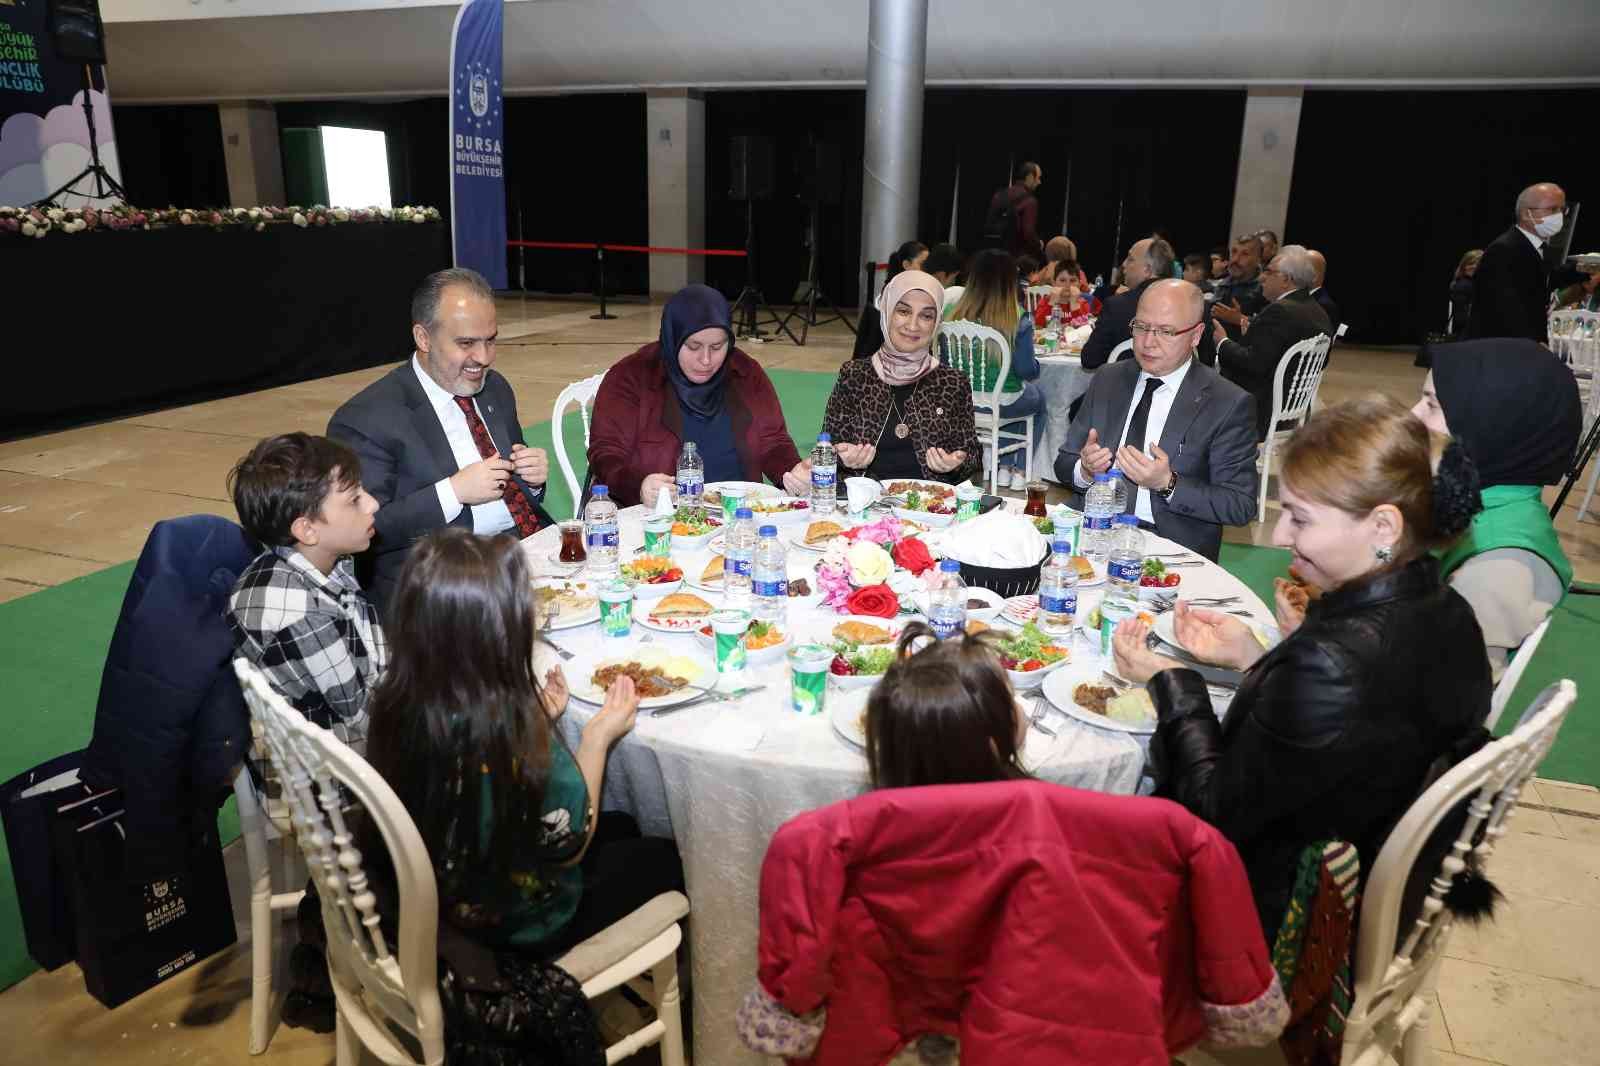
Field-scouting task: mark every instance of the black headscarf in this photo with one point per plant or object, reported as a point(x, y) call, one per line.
point(692, 309)
point(1512, 405)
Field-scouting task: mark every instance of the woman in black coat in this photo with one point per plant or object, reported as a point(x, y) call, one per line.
point(1333, 732)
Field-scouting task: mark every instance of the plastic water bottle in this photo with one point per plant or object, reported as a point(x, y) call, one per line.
point(738, 555)
point(691, 476)
point(824, 477)
point(600, 533)
point(1126, 560)
point(947, 606)
point(1052, 329)
point(1099, 280)
point(1099, 509)
point(1058, 589)
point(769, 582)
point(1120, 481)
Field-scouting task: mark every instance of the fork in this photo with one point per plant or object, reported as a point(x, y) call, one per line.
point(1040, 705)
point(544, 634)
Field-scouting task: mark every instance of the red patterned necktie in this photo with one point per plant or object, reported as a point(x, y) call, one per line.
point(516, 501)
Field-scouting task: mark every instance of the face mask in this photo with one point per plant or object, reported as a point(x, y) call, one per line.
point(1548, 226)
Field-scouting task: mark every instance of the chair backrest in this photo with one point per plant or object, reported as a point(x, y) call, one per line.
point(1033, 294)
point(1394, 966)
point(1299, 375)
point(1117, 352)
point(1338, 334)
point(981, 354)
point(581, 393)
point(373, 985)
point(1508, 680)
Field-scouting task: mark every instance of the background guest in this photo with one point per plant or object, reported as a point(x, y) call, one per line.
point(1332, 732)
point(1146, 262)
point(1319, 293)
point(1068, 294)
point(1197, 272)
point(946, 263)
point(1511, 288)
point(900, 414)
point(1219, 263)
point(989, 300)
point(1510, 565)
point(464, 732)
point(1269, 244)
point(869, 330)
point(1239, 294)
point(692, 384)
point(1013, 219)
point(1582, 295)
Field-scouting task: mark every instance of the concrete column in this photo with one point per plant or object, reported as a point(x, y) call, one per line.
point(897, 59)
point(1266, 161)
point(250, 150)
point(675, 135)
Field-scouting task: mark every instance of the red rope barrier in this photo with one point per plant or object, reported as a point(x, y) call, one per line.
point(589, 247)
point(576, 246)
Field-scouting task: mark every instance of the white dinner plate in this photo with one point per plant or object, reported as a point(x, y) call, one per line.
point(797, 539)
point(693, 666)
point(925, 518)
point(820, 631)
point(847, 709)
point(1166, 629)
point(568, 617)
point(751, 488)
point(761, 656)
point(641, 615)
point(1058, 690)
point(786, 516)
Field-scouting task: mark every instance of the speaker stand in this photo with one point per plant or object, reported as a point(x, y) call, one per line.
point(753, 312)
point(806, 307)
point(104, 184)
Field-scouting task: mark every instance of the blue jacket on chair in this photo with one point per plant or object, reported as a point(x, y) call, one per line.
point(171, 728)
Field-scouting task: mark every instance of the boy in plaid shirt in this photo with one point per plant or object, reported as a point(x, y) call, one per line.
point(298, 613)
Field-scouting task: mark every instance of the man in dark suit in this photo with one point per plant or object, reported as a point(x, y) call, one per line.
point(1147, 261)
point(1511, 290)
point(1290, 316)
point(1319, 271)
point(1182, 435)
point(438, 436)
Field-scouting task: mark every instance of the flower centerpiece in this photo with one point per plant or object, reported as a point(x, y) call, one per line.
point(875, 570)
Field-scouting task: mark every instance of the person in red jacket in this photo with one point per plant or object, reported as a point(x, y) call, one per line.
point(1077, 309)
point(692, 384)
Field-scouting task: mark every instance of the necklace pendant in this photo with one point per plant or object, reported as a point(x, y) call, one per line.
point(902, 430)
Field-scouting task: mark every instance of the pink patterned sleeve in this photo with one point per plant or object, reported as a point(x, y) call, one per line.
point(767, 1027)
point(1253, 1023)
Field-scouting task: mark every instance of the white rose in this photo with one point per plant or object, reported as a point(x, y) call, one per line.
point(29, 229)
point(56, 214)
point(185, 218)
point(385, 212)
point(254, 212)
point(299, 220)
point(419, 218)
point(341, 215)
point(869, 564)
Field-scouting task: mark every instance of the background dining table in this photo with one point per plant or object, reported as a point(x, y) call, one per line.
point(1062, 379)
point(721, 777)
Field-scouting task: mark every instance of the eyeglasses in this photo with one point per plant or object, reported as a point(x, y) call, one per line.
point(1166, 333)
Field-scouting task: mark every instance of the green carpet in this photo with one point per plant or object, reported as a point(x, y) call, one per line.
point(53, 645)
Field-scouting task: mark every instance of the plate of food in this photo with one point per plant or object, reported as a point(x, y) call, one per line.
point(663, 677)
point(651, 576)
point(1082, 692)
point(1030, 654)
point(779, 510)
point(693, 528)
point(676, 612)
point(574, 603)
point(932, 503)
point(1155, 574)
point(847, 713)
point(816, 536)
point(1166, 628)
point(711, 495)
point(706, 576)
point(1020, 609)
point(763, 641)
point(863, 649)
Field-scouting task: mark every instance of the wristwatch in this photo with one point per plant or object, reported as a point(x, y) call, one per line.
point(1172, 483)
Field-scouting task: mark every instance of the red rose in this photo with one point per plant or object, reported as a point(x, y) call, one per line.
point(877, 601)
point(913, 555)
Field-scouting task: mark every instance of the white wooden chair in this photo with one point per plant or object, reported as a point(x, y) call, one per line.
point(261, 822)
point(1514, 670)
point(967, 347)
point(1294, 390)
point(381, 993)
point(1119, 350)
point(1575, 340)
point(1393, 987)
point(1033, 294)
point(582, 394)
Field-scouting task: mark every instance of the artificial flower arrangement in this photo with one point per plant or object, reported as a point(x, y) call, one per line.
point(875, 570)
point(39, 221)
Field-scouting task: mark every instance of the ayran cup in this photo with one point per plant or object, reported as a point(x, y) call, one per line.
point(727, 632)
point(808, 677)
point(732, 499)
point(616, 609)
point(658, 536)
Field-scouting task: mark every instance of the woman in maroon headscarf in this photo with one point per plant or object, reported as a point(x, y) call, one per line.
point(900, 414)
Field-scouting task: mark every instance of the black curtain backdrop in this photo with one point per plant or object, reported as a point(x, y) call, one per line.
point(171, 156)
point(1393, 187)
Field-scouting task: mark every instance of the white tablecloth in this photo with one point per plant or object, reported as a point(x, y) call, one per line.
point(1062, 379)
point(721, 778)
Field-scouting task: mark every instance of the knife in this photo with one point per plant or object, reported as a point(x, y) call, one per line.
point(709, 697)
point(1213, 675)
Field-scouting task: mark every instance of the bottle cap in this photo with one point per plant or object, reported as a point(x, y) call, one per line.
point(743, 512)
point(824, 438)
point(950, 566)
point(1107, 476)
point(769, 531)
point(689, 447)
point(600, 492)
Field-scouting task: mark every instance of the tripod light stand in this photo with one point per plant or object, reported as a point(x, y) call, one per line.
point(806, 305)
point(104, 184)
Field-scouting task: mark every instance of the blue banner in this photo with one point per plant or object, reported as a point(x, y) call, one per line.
point(477, 124)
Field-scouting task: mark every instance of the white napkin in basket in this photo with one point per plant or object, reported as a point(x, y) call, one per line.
point(999, 539)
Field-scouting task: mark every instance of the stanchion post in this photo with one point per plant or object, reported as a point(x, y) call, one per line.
point(871, 271)
point(600, 258)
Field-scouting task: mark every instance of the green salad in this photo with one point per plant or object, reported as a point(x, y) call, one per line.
point(852, 659)
point(1029, 650)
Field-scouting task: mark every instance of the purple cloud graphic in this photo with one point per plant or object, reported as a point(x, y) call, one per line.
point(25, 136)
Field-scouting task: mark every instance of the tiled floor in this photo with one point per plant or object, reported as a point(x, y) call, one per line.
point(1523, 992)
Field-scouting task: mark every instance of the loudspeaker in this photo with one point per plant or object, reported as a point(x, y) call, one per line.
point(750, 165)
point(76, 29)
point(822, 174)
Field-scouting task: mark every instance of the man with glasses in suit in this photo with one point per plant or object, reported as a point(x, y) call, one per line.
point(1183, 437)
point(1289, 317)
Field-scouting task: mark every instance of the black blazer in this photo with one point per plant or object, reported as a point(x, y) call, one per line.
point(1113, 326)
point(1510, 291)
point(1330, 309)
point(1251, 363)
point(1333, 731)
point(1209, 438)
point(392, 428)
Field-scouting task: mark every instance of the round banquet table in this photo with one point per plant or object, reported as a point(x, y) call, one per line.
point(1062, 379)
point(720, 778)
